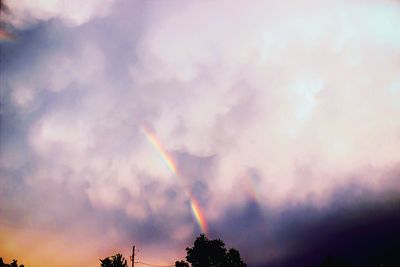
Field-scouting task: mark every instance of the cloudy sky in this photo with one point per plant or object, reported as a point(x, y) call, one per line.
point(137, 122)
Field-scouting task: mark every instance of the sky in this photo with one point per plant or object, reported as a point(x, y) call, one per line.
point(273, 125)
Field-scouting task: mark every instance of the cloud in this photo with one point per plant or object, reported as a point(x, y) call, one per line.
point(301, 89)
point(349, 228)
point(23, 13)
point(275, 104)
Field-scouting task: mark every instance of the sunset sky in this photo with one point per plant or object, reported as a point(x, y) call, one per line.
point(274, 125)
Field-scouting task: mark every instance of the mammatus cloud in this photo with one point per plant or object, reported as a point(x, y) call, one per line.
point(276, 104)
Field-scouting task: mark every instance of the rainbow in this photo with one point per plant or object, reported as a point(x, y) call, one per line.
point(152, 138)
point(252, 189)
point(198, 215)
point(197, 211)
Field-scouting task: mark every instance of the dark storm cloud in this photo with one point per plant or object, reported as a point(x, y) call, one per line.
point(357, 226)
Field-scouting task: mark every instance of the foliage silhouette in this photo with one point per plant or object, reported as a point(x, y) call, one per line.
point(181, 264)
point(211, 253)
point(14, 263)
point(233, 259)
point(331, 261)
point(114, 261)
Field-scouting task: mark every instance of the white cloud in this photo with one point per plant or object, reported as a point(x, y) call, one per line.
point(25, 12)
point(223, 91)
point(315, 76)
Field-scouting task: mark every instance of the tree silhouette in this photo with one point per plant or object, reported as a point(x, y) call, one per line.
point(114, 261)
point(211, 253)
point(14, 263)
point(334, 262)
point(181, 264)
point(233, 259)
point(106, 262)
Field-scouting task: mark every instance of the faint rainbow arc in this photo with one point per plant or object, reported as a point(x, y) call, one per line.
point(168, 160)
point(198, 214)
point(252, 190)
point(152, 138)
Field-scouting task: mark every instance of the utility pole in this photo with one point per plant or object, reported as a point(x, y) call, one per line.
point(133, 256)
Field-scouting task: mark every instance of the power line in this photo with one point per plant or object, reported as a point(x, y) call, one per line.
point(153, 265)
point(145, 263)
